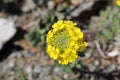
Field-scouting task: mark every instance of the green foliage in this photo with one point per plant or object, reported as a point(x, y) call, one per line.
point(68, 68)
point(110, 19)
point(21, 74)
point(36, 36)
point(108, 22)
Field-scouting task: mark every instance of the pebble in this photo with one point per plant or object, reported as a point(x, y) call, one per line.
point(112, 67)
point(11, 63)
point(96, 62)
point(118, 59)
point(113, 53)
point(11, 78)
point(51, 5)
point(29, 69)
point(92, 67)
point(37, 69)
point(87, 54)
point(5, 69)
point(15, 54)
point(29, 5)
point(65, 76)
point(29, 77)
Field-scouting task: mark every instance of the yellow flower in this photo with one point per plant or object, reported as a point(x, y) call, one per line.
point(64, 42)
point(118, 2)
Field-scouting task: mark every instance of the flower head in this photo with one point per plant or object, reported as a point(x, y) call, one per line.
point(118, 2)
point(64, 42)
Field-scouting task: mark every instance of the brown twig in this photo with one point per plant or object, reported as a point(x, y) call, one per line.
point(99, 49)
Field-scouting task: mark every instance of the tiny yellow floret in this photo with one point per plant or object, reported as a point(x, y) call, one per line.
point(118, 2)
point(64, 41)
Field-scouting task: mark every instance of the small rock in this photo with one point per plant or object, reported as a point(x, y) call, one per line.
point(113, 53)
point(7, 31)
point(111, 68)
point(37, 69)
point(11, 78)
point(15, 54)
point(65, 76)
point(29, 77)
point(118, 59)
point(92, 67)
point(29, 5)
point(96, 62)
point(51, 5)
point(11, 63)
point(29, 69)
point(87, 54)
point(82, 7)
point(5, 69)
point(77, 2)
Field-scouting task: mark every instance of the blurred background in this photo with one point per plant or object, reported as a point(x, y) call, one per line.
point(25, 23)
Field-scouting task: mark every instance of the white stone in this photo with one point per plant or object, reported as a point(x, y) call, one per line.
point(7, 31)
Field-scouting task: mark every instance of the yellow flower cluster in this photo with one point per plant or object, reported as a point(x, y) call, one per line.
point(118, 2)
point(64, 42)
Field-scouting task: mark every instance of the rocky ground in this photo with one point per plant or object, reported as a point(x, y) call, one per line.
point(19, 60)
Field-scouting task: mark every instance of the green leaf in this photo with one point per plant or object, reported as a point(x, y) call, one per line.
point(21, 74)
